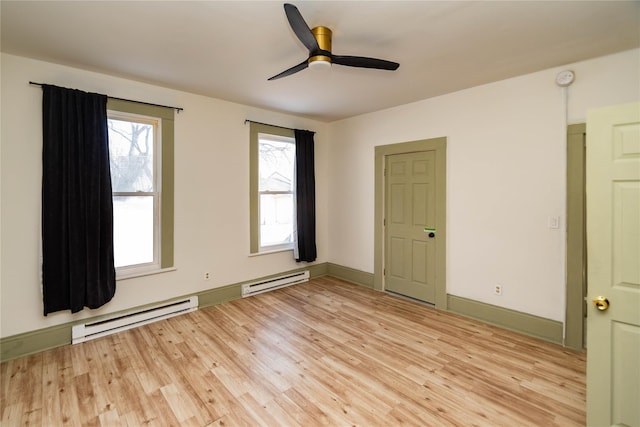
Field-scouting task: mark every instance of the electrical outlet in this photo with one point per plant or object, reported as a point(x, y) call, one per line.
point(207, 276)
point(497, 290)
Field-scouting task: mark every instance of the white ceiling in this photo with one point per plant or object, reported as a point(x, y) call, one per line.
point(228, 49)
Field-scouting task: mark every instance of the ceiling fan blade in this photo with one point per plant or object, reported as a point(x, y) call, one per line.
point(300, 27)
point(301, 66)
point(363, 62)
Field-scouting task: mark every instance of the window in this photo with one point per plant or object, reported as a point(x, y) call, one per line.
point(141, 157)
point(133, 146)
point(276, 156)
point(272, 188)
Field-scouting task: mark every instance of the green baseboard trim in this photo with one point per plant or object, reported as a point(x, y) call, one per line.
point(527, 324)
point(34, 341)
point(56, 336)
point(350, 275)
point(318, 270)
point(219, 295)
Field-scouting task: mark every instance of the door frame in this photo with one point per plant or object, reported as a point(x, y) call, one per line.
point(576, 261)
point(439, 146)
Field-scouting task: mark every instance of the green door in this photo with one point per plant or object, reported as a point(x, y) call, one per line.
point(613, 250)
point(410, 214)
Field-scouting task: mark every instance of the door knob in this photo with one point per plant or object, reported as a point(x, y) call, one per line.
point(601, 303)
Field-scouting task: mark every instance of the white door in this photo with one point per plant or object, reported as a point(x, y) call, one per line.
point(613, 247)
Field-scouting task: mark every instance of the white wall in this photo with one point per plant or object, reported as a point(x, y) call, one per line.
point(506, 174)
point(211, 193)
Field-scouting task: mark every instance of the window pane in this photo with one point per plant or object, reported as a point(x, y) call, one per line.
point(276, 165)
point(133, 230)
point(276, 219)
point(131, 155)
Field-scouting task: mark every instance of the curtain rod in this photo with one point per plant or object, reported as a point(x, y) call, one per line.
point(178, 109)
point(269, 124)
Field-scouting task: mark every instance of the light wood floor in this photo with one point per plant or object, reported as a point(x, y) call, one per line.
point(321, 353)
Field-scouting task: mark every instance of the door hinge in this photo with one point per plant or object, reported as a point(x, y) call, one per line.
point(384, 271)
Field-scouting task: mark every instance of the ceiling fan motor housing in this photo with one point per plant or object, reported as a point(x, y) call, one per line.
point(323, 37)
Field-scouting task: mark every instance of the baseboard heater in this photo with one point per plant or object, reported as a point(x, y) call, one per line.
point(101, 328)
point(255, 288)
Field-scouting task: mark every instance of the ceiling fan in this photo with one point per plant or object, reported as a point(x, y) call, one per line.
point(318, 41)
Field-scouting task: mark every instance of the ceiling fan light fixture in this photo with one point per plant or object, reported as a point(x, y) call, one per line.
point(319, 61)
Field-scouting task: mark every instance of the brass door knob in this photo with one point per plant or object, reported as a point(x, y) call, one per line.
point(601, 303)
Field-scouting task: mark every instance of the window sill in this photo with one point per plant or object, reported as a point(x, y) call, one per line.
point(274, 251)
point(127, 276)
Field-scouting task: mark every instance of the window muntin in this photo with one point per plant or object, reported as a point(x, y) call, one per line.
point(134, 147)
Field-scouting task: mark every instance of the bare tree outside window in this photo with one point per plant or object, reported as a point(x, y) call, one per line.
point(131, 155)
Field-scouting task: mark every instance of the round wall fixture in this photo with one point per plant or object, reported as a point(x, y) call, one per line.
point(565, 78)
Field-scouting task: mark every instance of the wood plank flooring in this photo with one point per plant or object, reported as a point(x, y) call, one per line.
point(324, 352)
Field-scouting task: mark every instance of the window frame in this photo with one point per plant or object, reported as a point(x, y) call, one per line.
point(164, 181)
point(257, 129)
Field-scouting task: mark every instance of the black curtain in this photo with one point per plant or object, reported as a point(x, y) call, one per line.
point(305, 197)
point(77, 206)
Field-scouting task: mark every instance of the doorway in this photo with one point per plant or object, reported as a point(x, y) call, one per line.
point(434, 246)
